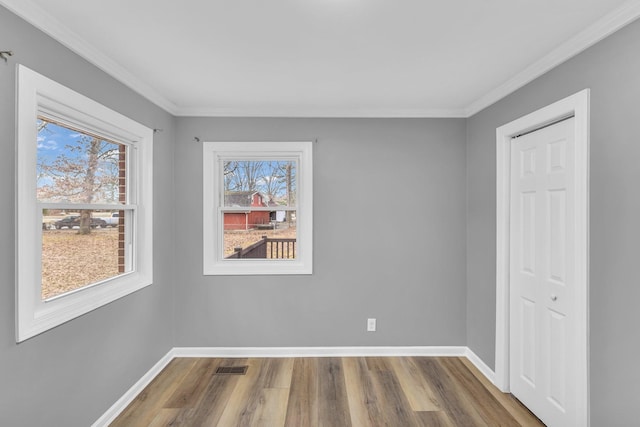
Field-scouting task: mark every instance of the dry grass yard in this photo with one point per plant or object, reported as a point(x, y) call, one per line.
point(71, 261)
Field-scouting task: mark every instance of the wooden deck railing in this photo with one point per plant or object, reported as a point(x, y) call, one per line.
point(267, 248)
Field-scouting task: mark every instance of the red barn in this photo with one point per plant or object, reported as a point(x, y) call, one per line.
point(247, 219)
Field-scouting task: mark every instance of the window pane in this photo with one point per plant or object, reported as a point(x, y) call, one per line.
point(81, 248)
point(76, 167)
point(259, 183)
point(260, 235)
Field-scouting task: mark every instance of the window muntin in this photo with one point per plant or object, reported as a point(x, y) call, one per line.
point(257, 201)
point(122, 193)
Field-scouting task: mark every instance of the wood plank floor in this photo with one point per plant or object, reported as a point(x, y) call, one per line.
point(332, 392)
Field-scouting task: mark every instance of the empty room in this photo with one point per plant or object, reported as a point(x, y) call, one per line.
point(319, 213)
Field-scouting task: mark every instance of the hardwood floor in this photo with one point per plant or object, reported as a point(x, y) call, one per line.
point(332, 392)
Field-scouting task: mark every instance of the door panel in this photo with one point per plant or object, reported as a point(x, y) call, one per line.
point(528, 237)
point(528, 352)
point(557, 236)
point(557, 358)
point(541, 276)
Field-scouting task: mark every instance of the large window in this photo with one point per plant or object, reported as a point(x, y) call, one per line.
point(84, 224)
point(258, 208)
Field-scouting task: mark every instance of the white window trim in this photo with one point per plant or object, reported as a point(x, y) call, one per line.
point(37, 94)
point(214, 261)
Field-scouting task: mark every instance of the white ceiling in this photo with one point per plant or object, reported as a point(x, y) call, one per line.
point(326, 58)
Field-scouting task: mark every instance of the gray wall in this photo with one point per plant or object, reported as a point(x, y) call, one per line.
point(612, 70)
point(70, 375)
point(401, 206)
point(389, 243)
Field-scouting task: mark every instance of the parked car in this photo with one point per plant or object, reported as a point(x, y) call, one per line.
point(74, 221)
point(113, 220)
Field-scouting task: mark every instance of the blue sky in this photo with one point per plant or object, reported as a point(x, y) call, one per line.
point(55, 142)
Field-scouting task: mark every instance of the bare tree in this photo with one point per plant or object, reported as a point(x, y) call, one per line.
point(289, 170)
point(89, 183)
point(85, 172)
point(275, 179)
point(272, 182)
point(242, 175)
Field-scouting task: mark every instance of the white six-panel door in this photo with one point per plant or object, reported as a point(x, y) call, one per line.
point(542, 308)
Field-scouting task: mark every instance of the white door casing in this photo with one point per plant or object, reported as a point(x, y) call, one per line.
point(550, 271)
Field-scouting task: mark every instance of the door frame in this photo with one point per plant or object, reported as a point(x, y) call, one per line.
point(576, 105)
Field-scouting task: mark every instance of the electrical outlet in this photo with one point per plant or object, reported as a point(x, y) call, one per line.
point(371, 325)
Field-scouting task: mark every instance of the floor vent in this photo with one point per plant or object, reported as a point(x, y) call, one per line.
point(231, 370)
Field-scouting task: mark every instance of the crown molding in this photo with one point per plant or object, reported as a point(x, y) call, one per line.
point(326, 112)
point(601, 29)
point(59, 32)
point(604, 27)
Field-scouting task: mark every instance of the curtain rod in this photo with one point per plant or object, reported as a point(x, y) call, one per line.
point(5, 54)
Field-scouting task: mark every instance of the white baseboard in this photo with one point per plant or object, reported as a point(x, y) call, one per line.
point(482, 367)
point(127, 398)
point(316, 351)
point(120, 405)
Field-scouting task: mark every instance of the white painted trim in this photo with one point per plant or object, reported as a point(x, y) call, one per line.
point(323, 112)
point(38, 94)
point(604, 27)
point(601, 29)
point(318, 351)
point(112, 413)
point(42, 20)
point(213, 155)
point(482, 367)
point(578, 106)
point(241, 352)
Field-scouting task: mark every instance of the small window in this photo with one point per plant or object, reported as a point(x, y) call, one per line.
point(258, 208)
point(84, 205)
